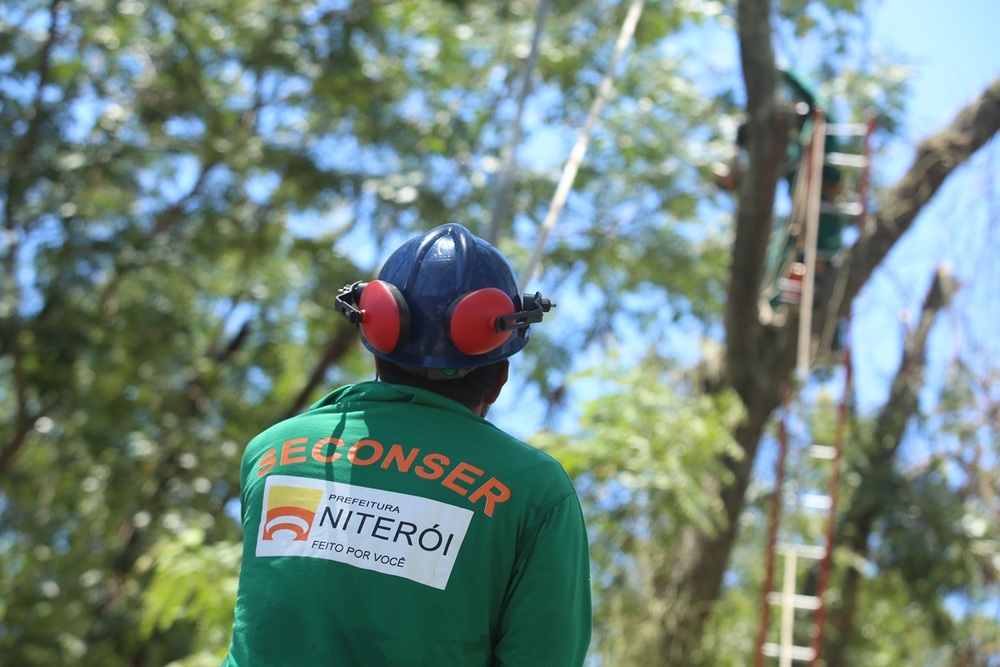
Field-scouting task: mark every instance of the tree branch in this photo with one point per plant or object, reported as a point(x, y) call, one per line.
point(867, 504)
point(338, 345)
point(23, 151)
point(508, 172)
point(936, 159)
point(22, 154)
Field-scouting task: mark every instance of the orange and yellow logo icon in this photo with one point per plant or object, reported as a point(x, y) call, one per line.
point(290, 512)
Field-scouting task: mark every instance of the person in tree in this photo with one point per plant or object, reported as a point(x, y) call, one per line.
point(831, 223)
point(729, 176)
point(391, 524)
point(829, 233)
point(788, 241)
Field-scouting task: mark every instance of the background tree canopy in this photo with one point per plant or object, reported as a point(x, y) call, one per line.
point(185, 185)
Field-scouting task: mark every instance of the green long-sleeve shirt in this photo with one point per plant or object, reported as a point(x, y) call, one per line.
point(389, 526)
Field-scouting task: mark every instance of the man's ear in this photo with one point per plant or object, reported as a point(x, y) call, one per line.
point(500, 379)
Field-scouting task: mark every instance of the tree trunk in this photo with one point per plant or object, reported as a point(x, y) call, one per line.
point(760, 358)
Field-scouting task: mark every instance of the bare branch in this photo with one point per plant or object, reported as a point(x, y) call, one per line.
point(338, 345)
point(936, 159)
point(866, 506)
point(507, 175)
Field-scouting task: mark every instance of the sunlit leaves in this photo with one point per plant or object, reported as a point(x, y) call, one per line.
point(647, 460)
point(178, 597)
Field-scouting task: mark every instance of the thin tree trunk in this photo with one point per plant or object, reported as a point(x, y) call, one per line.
point(856, 525)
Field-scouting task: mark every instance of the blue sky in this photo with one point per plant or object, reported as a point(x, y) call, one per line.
point(954, 53)
point(952, 46)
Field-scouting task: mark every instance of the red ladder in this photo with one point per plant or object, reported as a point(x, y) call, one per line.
point(789, 535)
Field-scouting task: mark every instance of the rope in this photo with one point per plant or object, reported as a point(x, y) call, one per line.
point(501, 199)
point(815, 155)
point(580, 149)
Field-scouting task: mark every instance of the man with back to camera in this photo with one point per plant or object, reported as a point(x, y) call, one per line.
point(391, 524)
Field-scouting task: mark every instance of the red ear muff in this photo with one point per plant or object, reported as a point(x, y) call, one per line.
point(472, 320)
point(385, 317)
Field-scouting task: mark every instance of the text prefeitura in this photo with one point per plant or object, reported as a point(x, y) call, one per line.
point(460, 477)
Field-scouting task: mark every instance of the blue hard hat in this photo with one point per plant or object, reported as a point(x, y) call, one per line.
point(444, 300)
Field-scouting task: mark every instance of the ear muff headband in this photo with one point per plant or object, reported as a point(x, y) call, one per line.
point(385, 317)
point(472, 320)
point(477, 323)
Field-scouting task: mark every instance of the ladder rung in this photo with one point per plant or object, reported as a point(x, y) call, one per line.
point(847, 129)
point(816, 501)
point(808, 602)
point(802, 550)
point(847, 207)
point(799, 653)
point(822, 452)
point(846, 160)
point(808, 501)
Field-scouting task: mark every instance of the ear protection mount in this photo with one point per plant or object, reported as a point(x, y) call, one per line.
point(477, 322)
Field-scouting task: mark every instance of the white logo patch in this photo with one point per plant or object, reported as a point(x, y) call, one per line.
point(393, 533)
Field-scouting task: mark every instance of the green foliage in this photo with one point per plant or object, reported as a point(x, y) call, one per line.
point(885, 616)
point(184, 187)
point(646, 457)
point(192, 587)
point(643, 440)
